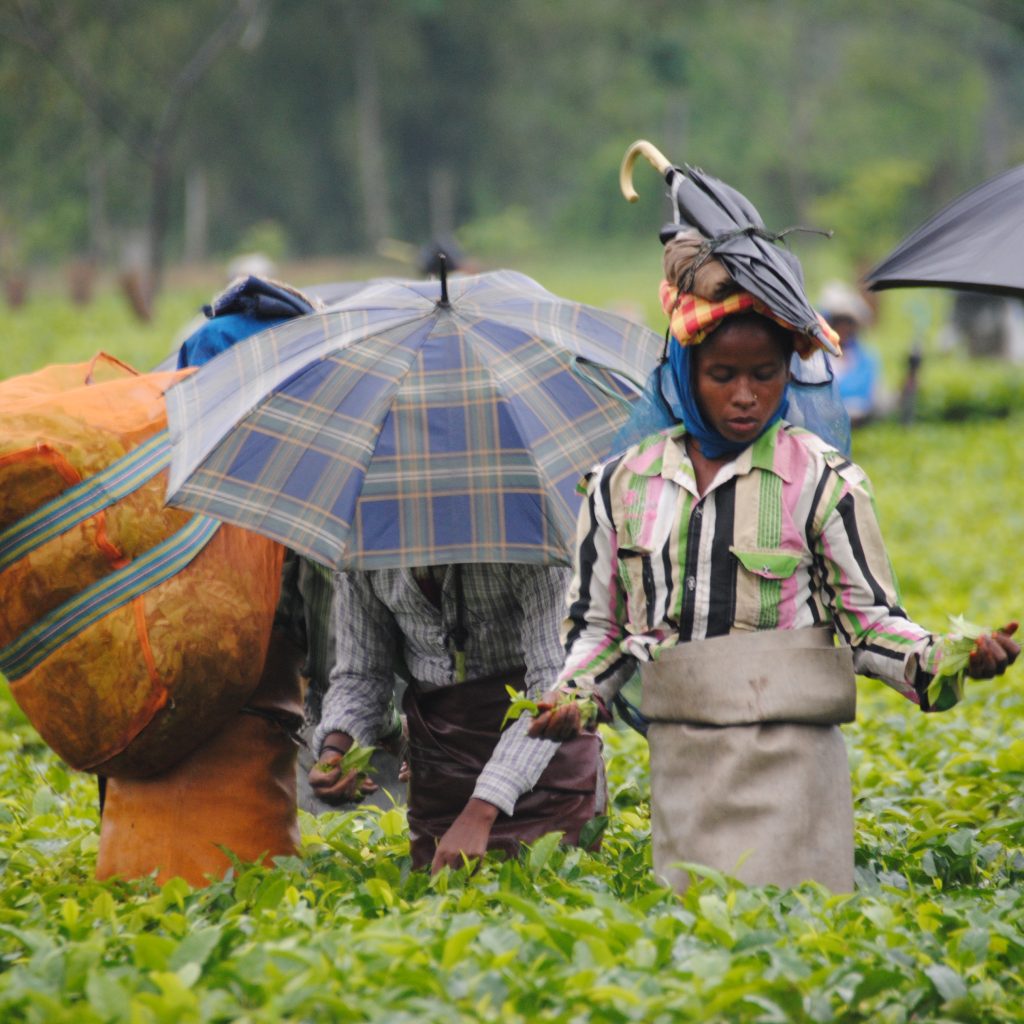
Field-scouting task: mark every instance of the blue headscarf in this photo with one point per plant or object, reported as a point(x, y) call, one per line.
point(245, 307)
point(683, 403)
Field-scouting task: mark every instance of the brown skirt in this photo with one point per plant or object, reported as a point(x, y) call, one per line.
point(452, 733)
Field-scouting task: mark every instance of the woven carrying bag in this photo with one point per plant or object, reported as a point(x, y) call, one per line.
point(129, 631)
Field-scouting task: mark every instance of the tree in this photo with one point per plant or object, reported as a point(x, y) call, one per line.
point(135, 76)
point(356, 119)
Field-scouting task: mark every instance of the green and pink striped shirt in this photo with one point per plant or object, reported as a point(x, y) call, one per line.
point(785, 537)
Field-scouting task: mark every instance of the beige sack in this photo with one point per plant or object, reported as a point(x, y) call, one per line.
point(749, 773)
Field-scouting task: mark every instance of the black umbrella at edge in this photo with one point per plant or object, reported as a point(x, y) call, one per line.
point(974, 243)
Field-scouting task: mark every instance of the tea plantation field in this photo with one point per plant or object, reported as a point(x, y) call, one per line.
point(934, 932)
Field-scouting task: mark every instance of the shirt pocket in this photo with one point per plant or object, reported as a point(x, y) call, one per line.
point(770, 563)
point(760, 576)
point(636, 578)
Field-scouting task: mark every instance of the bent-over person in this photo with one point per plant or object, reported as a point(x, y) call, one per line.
point(464, 633)
point(305, 614)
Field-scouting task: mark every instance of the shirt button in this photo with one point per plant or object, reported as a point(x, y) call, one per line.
point(698, 512)
point(691, 583)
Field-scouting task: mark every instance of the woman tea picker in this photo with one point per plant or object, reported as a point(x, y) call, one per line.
point(726, 555)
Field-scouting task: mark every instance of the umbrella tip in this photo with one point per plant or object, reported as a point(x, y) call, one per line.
point(442, 263)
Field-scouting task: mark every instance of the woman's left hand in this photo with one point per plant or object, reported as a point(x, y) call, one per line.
point(994, 654)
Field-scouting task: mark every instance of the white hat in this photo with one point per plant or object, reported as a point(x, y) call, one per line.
point(838, 299)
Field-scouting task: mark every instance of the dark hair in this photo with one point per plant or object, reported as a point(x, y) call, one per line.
point(748, 318)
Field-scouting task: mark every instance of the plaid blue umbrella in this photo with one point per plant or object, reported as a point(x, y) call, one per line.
point(416, 423)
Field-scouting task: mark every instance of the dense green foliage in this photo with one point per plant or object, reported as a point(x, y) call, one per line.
point(956, 388)
point(338, 124)
point(347, 932)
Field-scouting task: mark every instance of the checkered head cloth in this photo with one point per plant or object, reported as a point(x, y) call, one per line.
point(692, 319)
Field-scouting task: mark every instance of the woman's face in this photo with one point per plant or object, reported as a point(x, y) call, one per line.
point(740, 374)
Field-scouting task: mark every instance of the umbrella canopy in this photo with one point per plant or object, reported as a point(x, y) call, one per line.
point(415, 423)
point(332, 292)
point(736, 236)
point(976, 243)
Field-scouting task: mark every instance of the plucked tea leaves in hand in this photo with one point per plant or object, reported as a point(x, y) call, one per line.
point(521, 705)
point(357, 758)
point(957, 647)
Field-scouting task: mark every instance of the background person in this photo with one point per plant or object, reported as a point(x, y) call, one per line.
point(305, 614)
point(858, 369)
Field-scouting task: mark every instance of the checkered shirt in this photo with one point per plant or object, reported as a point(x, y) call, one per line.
point(512, 616)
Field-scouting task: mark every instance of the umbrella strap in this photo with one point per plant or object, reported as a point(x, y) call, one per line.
point(83, 500)
point(706, 251)
point(754, 231)
point(459, 633)
point(67, 620)
point(582, 367)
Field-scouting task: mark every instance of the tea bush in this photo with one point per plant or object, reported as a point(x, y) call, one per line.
point(953, 387)
point(348, 932)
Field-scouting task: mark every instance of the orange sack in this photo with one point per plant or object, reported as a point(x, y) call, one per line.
point(134, 690)
point(236, 791)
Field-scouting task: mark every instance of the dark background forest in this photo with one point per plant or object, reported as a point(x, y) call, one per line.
point(167, 131)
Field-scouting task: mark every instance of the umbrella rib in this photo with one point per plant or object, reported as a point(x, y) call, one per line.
point(458, 429)
point(246, 362)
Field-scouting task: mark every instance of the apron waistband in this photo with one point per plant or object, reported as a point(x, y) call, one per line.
point(779, 675)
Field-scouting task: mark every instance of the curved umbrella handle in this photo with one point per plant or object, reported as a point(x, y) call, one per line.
point(655, 157)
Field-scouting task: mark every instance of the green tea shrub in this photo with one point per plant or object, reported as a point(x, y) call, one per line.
point(957, 388)
point(348, 932)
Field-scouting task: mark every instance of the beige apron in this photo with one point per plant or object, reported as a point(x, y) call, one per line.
point(749, 773)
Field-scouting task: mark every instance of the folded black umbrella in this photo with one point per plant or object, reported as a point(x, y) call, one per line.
point(976, 243)
point(736, 236)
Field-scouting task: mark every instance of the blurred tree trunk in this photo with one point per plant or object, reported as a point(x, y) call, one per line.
point(370, 154)
point(150, 130)
point(99, 223)
point(442, 200)
point(1002, 59)
point(239, 19)
point(196, 214)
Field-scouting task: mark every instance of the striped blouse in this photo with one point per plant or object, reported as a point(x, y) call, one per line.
point(785, 537)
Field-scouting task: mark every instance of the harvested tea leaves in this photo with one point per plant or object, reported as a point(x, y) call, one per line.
point(356, 758)
point(518, 706)
point(521, 705)
point(947, 688)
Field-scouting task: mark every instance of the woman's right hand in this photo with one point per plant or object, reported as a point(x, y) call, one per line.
point(556, 721)
point(994, 654)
